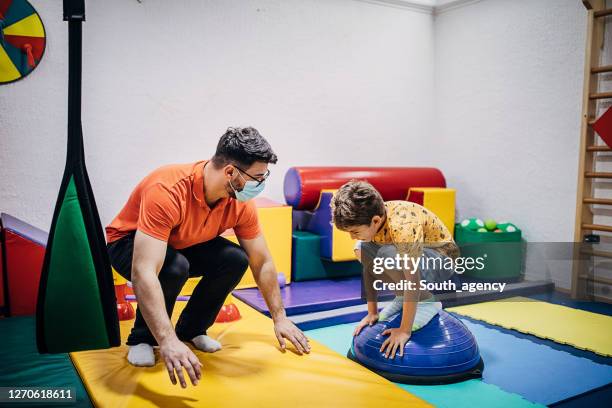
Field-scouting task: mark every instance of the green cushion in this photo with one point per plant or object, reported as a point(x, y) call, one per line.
point(307, 264)
point(72, 266)
point(22, 366)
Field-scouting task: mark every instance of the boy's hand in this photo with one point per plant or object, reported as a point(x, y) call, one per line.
point(368, 320)
point(397, 340)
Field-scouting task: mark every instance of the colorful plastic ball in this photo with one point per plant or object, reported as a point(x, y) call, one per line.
point(482, 230)
point(498, 230)
point(490, 224)
point(507, 227)
point(472, 223)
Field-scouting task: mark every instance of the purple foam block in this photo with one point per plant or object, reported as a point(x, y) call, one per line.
point(132, 298)
point(309, 296)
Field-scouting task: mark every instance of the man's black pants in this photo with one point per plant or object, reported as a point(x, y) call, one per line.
point(219, 262)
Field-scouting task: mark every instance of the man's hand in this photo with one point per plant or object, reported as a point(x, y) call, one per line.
point(177, 356)
point(149, 254)
point(368, 320)
point(266, 276)
point(285, 329)
point(397, 340)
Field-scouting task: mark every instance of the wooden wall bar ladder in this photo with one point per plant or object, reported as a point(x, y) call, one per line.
point(585, 228)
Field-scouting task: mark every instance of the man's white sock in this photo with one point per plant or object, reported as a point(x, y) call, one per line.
point(141, 355)
point(205, 343)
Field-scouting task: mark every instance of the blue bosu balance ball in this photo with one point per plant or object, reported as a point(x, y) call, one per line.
point(442, 352)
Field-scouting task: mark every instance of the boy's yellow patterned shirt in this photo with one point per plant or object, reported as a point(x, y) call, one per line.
point(410, 227)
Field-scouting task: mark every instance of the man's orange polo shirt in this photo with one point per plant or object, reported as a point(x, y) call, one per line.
point(169, 205)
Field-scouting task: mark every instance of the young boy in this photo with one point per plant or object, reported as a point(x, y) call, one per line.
point(388, 230)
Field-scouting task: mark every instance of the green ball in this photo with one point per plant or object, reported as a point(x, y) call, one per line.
point(482, 230)
point(472, 223)
point(490, 224)
point(507, 227)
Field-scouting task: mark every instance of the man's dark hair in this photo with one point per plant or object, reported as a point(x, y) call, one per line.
point(243, 147)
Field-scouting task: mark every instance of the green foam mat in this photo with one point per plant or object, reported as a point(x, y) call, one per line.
point(22, 366)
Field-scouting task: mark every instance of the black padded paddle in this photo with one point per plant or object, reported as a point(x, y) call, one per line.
point(76, 307)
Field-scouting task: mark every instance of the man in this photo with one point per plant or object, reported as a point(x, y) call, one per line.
point(169, 231)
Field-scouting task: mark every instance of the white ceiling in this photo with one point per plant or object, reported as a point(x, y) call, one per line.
point(429, 6)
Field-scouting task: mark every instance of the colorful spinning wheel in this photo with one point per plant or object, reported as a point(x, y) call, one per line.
point(22, 40)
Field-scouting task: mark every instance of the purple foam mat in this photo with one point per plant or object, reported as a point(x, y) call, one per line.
point(309, 296)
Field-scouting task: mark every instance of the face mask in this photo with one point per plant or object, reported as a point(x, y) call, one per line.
point(249, 191)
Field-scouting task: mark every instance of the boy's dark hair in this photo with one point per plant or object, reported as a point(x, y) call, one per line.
point(356, 203)
point(242, 147)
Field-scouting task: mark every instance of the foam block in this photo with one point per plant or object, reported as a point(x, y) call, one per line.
point(441, 201)
point(310, 296)
point(306, 256)
point(2, 280)
point(303, 185)
point(336, 245)
point(275, 223)
point(24, 253)
point(307, 264)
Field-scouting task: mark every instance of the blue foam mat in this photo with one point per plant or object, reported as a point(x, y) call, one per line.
point(535, 371)
point(517, 365)
point(596, 399)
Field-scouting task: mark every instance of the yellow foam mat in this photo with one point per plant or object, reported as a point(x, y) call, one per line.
point(249, 371)
point(189, 286)
point(561, 324)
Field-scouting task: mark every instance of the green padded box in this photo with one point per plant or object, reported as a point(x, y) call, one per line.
point(307, 264)
point(502, 253)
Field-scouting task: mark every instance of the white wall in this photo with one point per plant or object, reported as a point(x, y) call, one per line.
point(508, 98)
point(325, 81)
point(508, 104)
point(487, 90)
